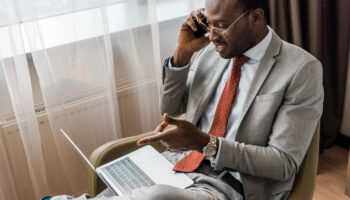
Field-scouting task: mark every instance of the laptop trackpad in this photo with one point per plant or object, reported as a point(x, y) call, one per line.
point(158, 168)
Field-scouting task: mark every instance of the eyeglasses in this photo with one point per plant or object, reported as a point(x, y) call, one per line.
point(221, 31)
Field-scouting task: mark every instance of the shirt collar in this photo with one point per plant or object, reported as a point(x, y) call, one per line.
point(258, 51)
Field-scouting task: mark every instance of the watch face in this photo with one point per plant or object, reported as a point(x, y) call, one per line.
point(210, 151)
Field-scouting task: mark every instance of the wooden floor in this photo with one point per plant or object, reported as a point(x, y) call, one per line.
point(330, 182)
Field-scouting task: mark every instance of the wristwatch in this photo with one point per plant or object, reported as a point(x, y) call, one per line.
point(210, 148)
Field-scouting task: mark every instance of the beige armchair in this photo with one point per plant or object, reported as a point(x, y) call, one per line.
point(305, 180)
point(303, 187)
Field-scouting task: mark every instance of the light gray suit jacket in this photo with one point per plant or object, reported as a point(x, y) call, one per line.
point(281, 112)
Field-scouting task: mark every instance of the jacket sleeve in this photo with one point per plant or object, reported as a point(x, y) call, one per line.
point(175, 88)
point(291, 133)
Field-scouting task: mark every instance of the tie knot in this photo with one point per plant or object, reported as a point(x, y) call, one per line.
point(240, 60)
point(243, 57)
point(238, 63)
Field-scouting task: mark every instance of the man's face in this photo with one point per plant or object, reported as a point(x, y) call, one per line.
point(236, 39)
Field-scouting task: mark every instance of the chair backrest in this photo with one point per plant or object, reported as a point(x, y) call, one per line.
point(305, 179)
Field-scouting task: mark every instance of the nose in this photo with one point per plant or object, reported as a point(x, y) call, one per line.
point(213, 36)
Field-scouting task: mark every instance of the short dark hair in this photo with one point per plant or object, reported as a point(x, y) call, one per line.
point(253, 4)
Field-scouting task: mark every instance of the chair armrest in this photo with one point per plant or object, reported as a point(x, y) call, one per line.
point(111, 151)
point(305, 179)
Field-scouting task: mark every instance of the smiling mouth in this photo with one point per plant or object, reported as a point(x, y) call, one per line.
point(219, 47)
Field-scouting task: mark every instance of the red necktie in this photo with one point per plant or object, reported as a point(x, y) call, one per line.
point(218, 128)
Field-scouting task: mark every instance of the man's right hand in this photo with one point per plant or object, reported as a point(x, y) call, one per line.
point(188, 44)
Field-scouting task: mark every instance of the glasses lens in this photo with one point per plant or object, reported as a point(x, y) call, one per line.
point(213, 30)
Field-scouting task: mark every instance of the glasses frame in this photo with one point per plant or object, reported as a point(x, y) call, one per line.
point(221, 31)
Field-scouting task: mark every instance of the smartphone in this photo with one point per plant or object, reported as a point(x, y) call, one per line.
point(200, 30)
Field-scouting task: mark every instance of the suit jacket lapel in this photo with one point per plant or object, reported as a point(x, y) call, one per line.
point(212, 72)
point(263, 71)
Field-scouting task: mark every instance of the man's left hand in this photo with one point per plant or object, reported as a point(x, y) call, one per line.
point(185, 136)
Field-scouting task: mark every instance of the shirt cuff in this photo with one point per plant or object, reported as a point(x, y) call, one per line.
point(214, 159)
point(170, 66)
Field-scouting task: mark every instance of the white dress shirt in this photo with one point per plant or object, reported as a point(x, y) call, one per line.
point(248, 71)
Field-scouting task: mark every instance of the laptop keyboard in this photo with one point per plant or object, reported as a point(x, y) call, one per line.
point(127, 176)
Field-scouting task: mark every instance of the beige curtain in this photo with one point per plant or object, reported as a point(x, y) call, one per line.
point(322, 28)
point(345, 125)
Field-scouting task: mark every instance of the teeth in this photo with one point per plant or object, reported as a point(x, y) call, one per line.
point(219, 47)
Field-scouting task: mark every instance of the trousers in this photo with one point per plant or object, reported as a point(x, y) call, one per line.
point(157, 192)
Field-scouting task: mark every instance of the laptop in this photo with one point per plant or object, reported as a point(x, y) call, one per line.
point(143, 167)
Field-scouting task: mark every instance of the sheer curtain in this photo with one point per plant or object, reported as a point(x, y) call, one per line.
point(15, 72)
point(195, 4)
point(72, 55)
point(77, 85)
point(90, 67)
point(137, 59)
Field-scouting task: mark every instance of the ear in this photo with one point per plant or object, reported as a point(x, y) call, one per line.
point(257, 16)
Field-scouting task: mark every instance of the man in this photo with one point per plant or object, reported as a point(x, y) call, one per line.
point(252, 103)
